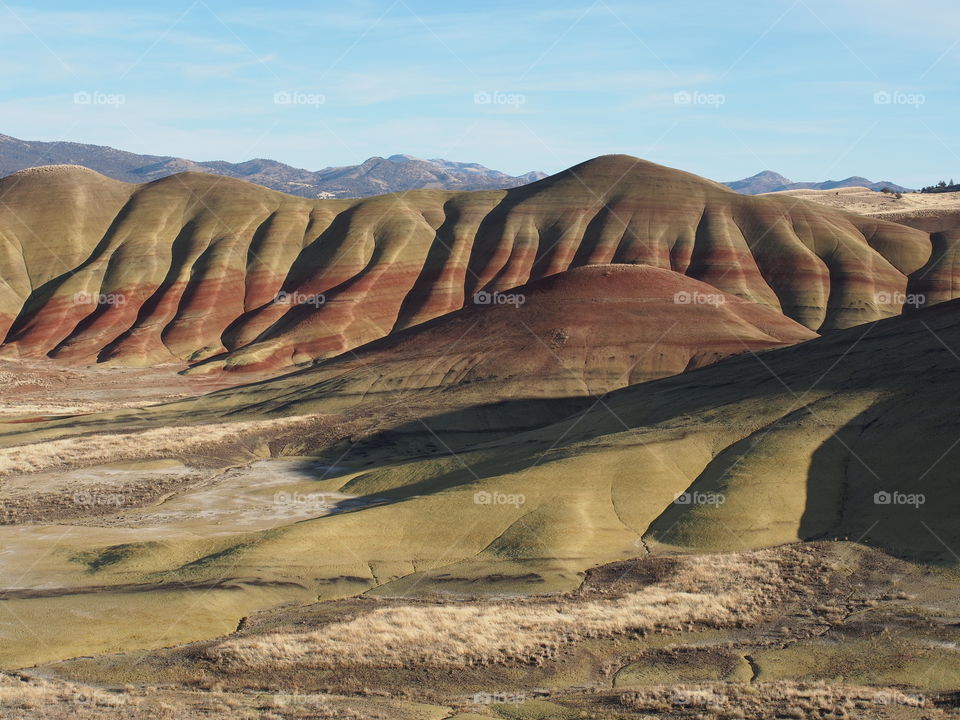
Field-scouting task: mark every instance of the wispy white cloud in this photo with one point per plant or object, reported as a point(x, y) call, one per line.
point(199, 79)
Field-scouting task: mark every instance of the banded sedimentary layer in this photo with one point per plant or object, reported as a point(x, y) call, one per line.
point(224, 274)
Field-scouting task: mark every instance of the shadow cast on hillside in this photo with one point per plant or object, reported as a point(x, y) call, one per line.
point(867, 484)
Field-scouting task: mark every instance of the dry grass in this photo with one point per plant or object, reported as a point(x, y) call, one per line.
point(58, 700)
point(867, 202)
point(52, 408)
point(143, 445)
point(717, 590)
point(12, 380)
point(764, 700)
point(40, 697)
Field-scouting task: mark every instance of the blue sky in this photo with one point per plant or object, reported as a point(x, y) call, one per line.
point(814, 89)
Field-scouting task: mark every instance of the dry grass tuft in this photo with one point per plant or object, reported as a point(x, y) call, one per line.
point(713, 590)
point(59, 700)
point(764, 700)
point(17, 696)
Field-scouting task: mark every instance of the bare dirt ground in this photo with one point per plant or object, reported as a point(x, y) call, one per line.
point(33, 389)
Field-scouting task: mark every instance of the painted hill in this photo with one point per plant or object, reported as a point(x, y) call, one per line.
point(583, 332)
point(769, 181)
point(375, 176)
point(224, 274)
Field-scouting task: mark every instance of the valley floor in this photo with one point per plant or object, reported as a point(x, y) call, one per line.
point(814, 630)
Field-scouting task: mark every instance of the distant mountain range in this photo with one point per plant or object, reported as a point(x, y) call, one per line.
point(769, 181)
point(372, 177)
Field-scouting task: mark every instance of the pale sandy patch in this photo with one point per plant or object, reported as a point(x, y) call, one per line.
point(145, 444)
